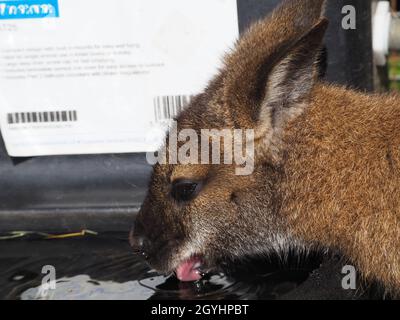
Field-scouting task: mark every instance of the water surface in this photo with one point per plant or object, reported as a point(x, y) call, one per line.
point(103, 267)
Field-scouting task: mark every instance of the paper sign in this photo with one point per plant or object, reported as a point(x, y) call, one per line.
point(96, 76)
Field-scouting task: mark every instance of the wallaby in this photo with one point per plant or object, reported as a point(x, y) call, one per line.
point(327, 163)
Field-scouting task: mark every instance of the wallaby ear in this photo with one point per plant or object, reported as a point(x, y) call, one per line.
point(291, 80)
point(272, 69)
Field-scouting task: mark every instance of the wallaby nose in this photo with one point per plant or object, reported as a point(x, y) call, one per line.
point(138, 242)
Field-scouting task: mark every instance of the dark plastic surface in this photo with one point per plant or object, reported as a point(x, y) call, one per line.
point(103, 192)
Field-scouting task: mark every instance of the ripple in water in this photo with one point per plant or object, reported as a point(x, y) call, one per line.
point(107, 270)
point(83, 287)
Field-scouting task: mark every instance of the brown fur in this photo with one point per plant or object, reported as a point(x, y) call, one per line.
point(327, 168)
point(342, 186)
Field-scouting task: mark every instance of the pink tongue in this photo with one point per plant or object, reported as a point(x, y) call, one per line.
point(187, 270)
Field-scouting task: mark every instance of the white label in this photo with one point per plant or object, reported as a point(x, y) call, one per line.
point(98, 76)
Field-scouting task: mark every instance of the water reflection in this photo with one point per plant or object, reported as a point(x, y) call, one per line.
point(106, 269)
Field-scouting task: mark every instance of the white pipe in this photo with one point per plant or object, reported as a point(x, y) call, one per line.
point(381, 31)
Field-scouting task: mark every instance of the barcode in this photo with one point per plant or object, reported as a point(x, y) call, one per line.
point(42, 117)
point(168, 107)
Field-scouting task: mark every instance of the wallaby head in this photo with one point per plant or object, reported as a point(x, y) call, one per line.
point(197, 216)
point(203, 214)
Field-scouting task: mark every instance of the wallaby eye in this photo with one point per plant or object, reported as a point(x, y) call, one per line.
point(184, 190)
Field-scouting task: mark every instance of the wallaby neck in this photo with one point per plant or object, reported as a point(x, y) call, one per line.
point(342, 177)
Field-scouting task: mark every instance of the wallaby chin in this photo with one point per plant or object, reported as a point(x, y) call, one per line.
point(326, 162)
